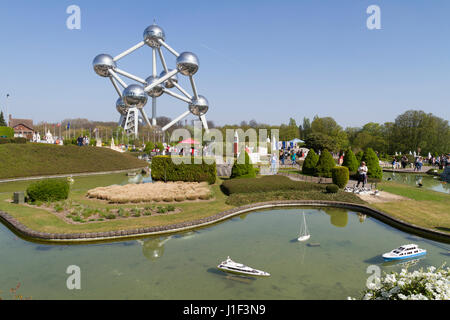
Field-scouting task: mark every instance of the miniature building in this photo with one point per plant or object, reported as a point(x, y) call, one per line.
point(22, 127)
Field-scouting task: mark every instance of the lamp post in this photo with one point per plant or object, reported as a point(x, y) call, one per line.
point(6, 106)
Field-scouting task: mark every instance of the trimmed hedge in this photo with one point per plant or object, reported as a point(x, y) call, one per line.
point(6, 132)
point(332, 188)
point(163, 168)
point(309, 165)
point(372, 163)
point(324, 165)
point(48, 190)
point(350, 161)
point(18, 140)
point(266, 184)
point(244, 169)
point(340, 176)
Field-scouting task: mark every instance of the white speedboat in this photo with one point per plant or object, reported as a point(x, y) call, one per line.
point(238, 268)
point(404, 252)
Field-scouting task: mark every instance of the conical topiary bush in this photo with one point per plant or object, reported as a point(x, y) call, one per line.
point(243, 167)
point(309, 165)
point(350, 161)
point(372, 163)
point(325, 164)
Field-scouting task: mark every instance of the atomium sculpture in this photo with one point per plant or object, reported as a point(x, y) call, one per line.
point(133, 97)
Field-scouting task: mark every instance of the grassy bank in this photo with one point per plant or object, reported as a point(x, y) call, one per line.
point(32, 159)
point(423, 208)
point(426, 208)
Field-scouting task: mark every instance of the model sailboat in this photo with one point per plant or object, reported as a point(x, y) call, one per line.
point(304, 232)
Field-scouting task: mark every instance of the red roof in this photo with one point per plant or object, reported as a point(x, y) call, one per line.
point(189, 141)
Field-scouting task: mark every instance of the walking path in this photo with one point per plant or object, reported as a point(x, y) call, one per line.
point(69, 175)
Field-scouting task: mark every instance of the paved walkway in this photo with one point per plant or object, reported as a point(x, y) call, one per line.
point(69, 175)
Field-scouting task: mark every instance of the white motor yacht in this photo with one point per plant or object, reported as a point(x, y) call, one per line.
point(238, 268)
point(405, 252)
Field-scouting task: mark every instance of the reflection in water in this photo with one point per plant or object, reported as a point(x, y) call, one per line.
point(338, 217)
point(138, 178)
point(362, 217)
point(154, 248)
point(418, 180)
point(404, 263)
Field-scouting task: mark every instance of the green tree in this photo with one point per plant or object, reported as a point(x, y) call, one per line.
point(372, 163)
point(350, 161)
point(309, 165)
point(359, 156)
point(2, 120)
point(328, 127)
point(319, 141)
point(243, 167)
point(325, 164)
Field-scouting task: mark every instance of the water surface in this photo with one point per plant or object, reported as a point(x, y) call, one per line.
point(183, 266)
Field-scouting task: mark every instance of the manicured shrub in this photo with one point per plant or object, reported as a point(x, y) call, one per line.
point(149, 146)
point(372, 163)
point(163, 168)
point(266, 184)
point(17, 140)
point(6, 132)
point(160, 146)
point(359, 156)
point(350, 161)
point(332, 188)
point(310, 163)
point(243, 167)
point(324, 165)
point(340, 176)
point(48, 190)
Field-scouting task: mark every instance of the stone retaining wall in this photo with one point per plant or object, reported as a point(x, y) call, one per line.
point(26, 232)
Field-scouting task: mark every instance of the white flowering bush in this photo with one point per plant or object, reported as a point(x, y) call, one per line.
point(432, 284)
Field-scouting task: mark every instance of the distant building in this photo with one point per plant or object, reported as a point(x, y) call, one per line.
point(22, 127)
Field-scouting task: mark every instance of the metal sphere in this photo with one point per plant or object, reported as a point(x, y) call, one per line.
point(169, 82)
point(187, 63)
point(121, 107)
point(157, 90)
point(199, 107)
point(102, 63)
point(134, 96)
point(152, 34)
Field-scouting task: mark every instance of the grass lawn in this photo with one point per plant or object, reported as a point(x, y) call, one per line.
point(38, 159)
point(42, 220)
point(425, 208)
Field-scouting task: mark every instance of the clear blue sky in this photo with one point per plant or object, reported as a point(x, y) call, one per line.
point(263, 60)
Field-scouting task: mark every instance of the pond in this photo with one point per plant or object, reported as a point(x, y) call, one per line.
point(183, 266)
point(428, 181)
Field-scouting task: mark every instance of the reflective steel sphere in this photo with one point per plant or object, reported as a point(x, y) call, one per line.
point(169, 83)
point(187, 63)
point(134, 96)
point(102, 63)
point(121, 107)
point(152, 34)
point(155, 91)
point(199, 106)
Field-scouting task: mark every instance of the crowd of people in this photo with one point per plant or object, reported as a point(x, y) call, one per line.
point(439, 161)
point(290, 155)
point(82, 141)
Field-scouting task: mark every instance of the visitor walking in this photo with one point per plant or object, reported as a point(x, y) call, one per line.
point(274, 163)
point(293, 158)
point(362, 174)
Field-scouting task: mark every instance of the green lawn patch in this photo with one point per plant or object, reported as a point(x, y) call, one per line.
point(33, 159)
point(240, 199)
point(267, 184)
